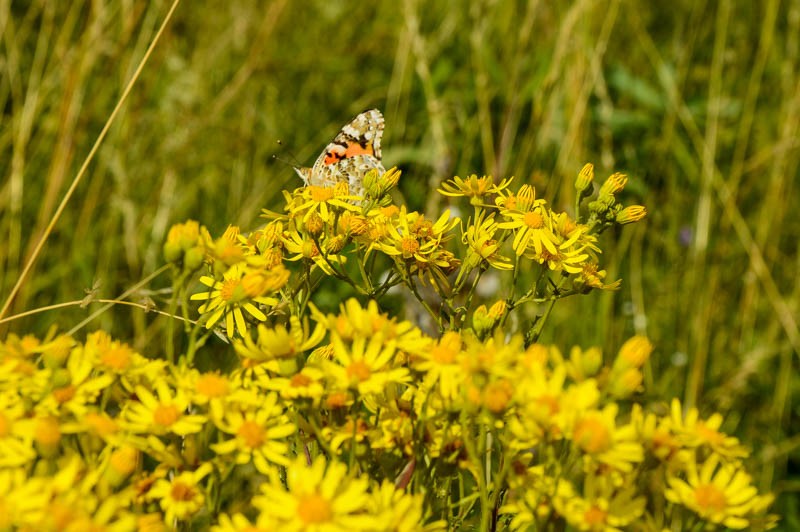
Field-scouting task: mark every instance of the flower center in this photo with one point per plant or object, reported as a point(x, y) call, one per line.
point(252, 434)
point(409, 245)
point(710, 498)
point(300, 381)
point(212, 385)
point(712, 436)
point(47, 431)
point(321, 194)
point(594, 516)
point(592, 435)
point(116, 358)
point(181, 491)
point(62, 395)
point(314, 508)
point(358, 370)
point(533, 220)
point(443, 354)
point(165, 415)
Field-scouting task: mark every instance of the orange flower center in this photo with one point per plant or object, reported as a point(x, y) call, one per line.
point(443, 354)
point(533, 220)
point(712, 436)
point(165, 415)
point(314, 508)
point(212, 385)
point(229, 289)
point(710, 498)
point(336, 400)
point(62, 395)
point(409, 245)
point(358, 370)
point(181, 491)
point(116, 358)
point(47, 431)
point(592, 435)
point(320, 194)
point(550, 402)
point(252, 433)
point(300, 381)
point(497, 396)
point(594, 516)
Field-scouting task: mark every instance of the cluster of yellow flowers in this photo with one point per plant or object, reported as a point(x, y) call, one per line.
point(355, 419)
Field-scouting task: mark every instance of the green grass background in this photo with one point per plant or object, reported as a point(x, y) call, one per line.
point(698, 102)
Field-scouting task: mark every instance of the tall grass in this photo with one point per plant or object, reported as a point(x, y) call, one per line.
point(699, 102)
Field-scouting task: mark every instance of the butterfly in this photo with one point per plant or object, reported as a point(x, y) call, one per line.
point(353, 152)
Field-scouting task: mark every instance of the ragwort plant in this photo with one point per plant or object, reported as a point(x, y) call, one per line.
point(360, 420)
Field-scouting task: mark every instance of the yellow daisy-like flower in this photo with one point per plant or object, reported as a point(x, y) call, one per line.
point(400, 512)
point(692, 431)
point(279, 343)
point(74, 388)
point(532, 223)
point(324, 201)
point(365, 366)
point(482, 246)
point(596, 434)
point(165, 412)
point(473, 187)
point(307, 385)
point(238, 292)
point(317, 498)
point(259, 435)
point(441, 366)
point(721, 494)
point(413, 237)
point(303, 247)
point(354, 320)
point(601, 507)
point(181, 497)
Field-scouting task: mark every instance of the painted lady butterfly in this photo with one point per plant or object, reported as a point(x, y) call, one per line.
point(354, 151)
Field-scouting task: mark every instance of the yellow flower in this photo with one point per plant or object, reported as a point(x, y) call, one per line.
point(482, 246)
point(598, 436)
point(186, 245)
point(473, 187)
point(308, 384)
point(230, 297)
point(303, 247)
point(590, 276)
point(324, 201)
point(74, 388)
point(584, 179)
point(413, 237)
point(353, 320)
point(631, 214)
point(259, 435)
point(317, 498)
point(531, 222)
point(366, 366)
point(181, 497)
point(692, 431)
point(601, 507)
point(280, 344)
point(441, 365)
point(720, 494)
point(400, 512)
point(165, 412)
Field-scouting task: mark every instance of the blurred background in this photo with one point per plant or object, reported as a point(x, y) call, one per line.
point(697, 102)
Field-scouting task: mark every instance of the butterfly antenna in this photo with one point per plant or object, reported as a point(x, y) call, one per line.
point(294, 162)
